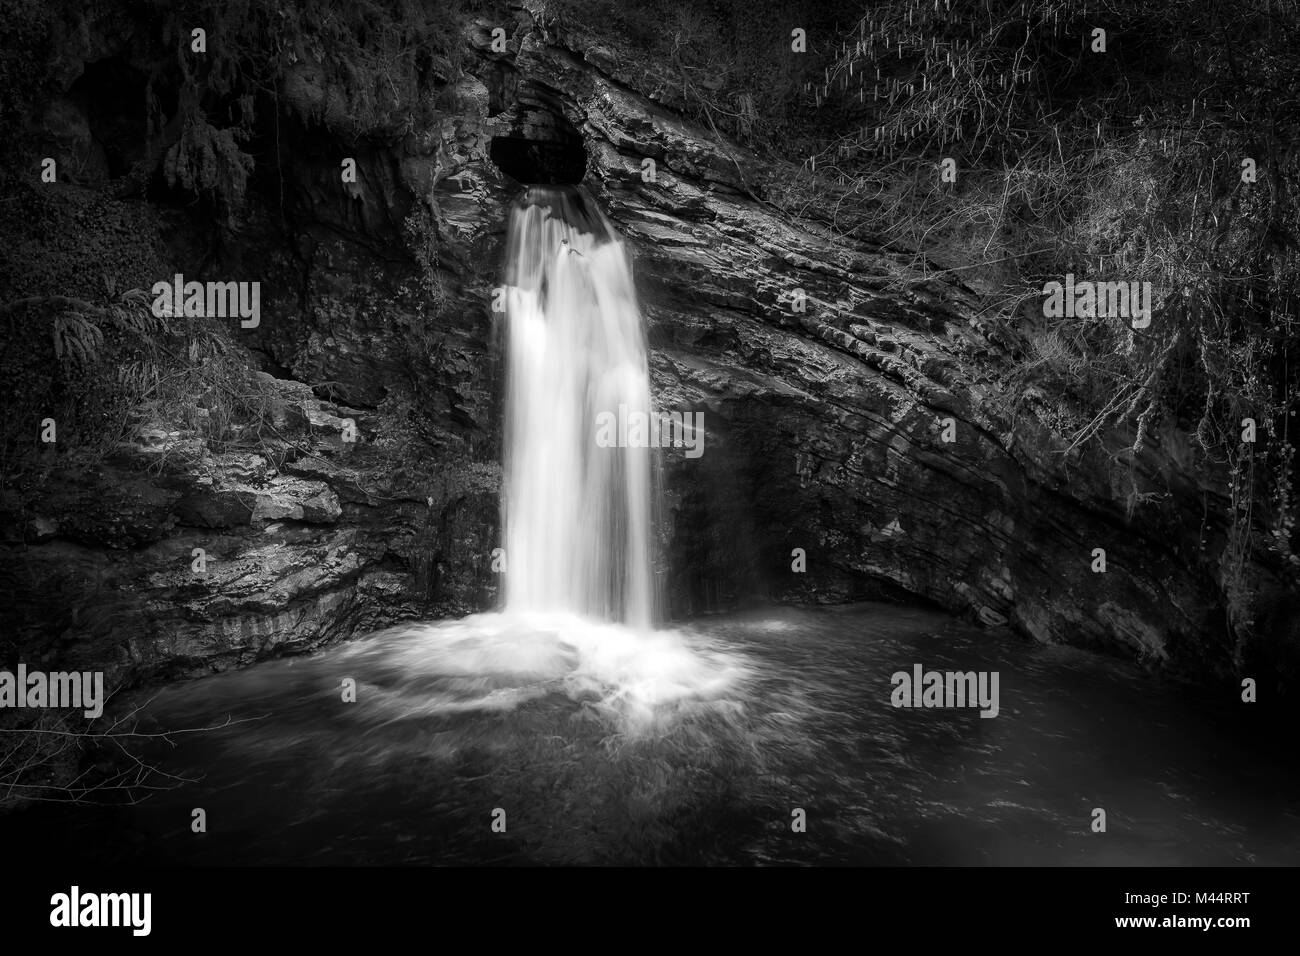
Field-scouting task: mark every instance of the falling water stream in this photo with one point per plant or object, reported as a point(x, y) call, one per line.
point(603, 736)
point(576, 515)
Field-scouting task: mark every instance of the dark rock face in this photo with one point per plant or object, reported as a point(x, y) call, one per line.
point(176, 561)
point(851, 409)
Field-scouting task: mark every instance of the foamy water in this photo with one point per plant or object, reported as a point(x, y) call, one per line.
point(637, 681)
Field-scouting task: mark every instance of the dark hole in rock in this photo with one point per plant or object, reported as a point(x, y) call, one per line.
point(551, 162)
point(114, 96)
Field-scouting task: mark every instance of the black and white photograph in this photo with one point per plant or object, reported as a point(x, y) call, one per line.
point(675, 434)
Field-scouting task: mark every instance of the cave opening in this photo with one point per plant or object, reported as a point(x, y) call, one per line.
point(552, 162)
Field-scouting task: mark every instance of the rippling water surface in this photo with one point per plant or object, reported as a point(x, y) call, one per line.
point(695, 745)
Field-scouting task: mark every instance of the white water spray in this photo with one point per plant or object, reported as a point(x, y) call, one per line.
point(577, 516)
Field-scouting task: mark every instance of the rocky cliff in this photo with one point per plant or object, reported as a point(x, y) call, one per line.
point(857, 425)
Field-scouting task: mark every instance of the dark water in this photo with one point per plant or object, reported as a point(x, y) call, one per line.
point(696, 749)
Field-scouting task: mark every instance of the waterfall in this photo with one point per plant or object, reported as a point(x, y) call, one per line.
point(577, 516)
point(579, 616)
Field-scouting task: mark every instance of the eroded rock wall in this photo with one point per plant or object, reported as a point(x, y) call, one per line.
point(852, 408)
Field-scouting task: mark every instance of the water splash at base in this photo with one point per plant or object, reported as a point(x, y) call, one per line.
point(637, 682)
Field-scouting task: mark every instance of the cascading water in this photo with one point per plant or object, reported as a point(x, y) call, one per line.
point(579, 598)
point(577, 517)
